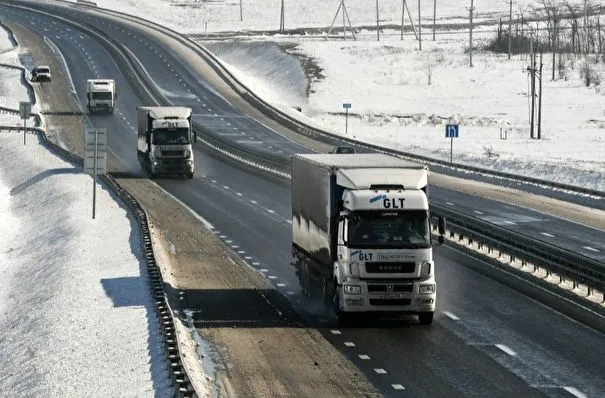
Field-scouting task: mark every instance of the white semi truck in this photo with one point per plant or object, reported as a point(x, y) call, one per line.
point(362, 221)
point(101, 95)
point(165, 140)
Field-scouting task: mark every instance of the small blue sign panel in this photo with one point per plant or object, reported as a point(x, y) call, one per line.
point(451, 131)
point(346, 105)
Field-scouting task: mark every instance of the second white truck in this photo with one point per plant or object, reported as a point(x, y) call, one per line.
point(101, 95)
point(362, 222)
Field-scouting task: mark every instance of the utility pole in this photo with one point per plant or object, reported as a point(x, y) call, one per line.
point(470, 35)
point(540, 102)
point(510, 22)
point(532, 72)
point(282, 27)
point(377, 23)
point(241, 12)
point(419, 29)
point(434, 17)
point(402, 16)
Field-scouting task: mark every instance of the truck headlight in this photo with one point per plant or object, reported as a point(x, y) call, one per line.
point(426, 268)
point(354, 269)
point(426, 289)
point(352, 289)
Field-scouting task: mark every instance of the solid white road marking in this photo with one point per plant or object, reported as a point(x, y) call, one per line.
point(450, 315)
point(349, 344)
point(380, 371)
point(574, 391)
point(506, 349)
point(364, 357)
point(547, 234)
point(591, 249)
point(398, 386)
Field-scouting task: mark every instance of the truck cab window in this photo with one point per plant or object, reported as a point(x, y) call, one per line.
point(171, 137)
point(397, 230)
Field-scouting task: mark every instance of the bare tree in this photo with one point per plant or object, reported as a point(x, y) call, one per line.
point(434, 60)
point(552, 13)
point(573, 21)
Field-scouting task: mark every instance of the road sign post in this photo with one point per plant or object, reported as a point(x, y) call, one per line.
point(451, 132)
point(346, 106)
point(95, 158)
point(25, 110)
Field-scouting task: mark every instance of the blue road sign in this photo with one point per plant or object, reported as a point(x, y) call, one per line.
point(451, 131)
point(346, 105)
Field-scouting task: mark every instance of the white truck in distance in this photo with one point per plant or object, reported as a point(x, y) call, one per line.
point(165, 141)
point(362, 222)
point(101, 95)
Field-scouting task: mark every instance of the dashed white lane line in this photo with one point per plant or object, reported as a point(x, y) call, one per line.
point(506, 349)
point(241, 251)
point(224, 186)
point(349, 344)
point(450, 315)
point(574, 391)
point(592, 249)
point(234, 246)
point(239, 194)
point(398, 386)
point(380, 371)
point(477, 212)
point(272, 277)
point(264, 270)
point(228, 241)
point(450, 203)
point(547, 234)
point(256, 263)
point(270, 211)
point(290, 293)
point(335, 331)
point(253, 202)
point(364, 357)
point(281, 284)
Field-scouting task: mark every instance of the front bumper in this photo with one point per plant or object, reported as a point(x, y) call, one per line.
point(172, 165)
point(388, 296)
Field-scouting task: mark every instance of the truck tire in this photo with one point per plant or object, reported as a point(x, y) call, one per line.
point(425, 318)
point(344, 319)
point(189, 175)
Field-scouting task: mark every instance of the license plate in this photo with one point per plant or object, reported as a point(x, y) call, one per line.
point(390, 296)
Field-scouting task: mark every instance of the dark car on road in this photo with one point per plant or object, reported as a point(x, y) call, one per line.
point(40, 74)
point(343, 149)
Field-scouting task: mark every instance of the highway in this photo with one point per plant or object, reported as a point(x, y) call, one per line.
point(487, 339)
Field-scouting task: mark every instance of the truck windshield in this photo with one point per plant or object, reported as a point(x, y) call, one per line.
point(389, 229)
point(171, 136)
point(101, 95)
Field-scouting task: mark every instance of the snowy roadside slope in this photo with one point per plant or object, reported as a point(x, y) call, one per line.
point(76, 314)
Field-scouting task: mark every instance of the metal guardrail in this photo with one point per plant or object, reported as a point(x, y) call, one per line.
point(565, 263)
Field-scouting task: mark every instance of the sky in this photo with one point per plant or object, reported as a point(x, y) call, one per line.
point(75, 318)
point(56, 322)
point(386, 83)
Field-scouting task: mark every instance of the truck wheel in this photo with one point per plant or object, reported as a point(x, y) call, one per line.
point(425, 318)
point(344, 319)
point(189, 175)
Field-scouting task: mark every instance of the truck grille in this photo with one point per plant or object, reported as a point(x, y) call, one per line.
point(172, 153)
point(390, 268)
point(390, 301)
point(391, 288)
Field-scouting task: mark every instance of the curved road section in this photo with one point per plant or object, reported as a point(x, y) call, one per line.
point(486, 339)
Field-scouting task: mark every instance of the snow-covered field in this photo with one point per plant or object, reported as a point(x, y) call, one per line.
point(387, 82)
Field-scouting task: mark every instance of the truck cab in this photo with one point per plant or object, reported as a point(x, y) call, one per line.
point(384, 254)
point(101, 95)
